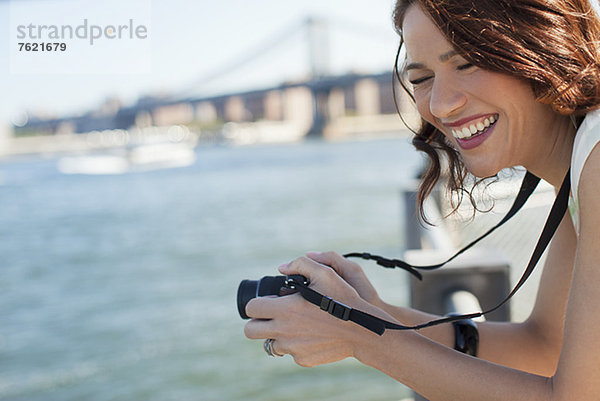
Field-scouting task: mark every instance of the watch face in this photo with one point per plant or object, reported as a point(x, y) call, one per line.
point(467, 337)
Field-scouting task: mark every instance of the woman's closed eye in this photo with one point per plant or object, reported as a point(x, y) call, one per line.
point(417, 81)
point(420, 80)
point(465, 66)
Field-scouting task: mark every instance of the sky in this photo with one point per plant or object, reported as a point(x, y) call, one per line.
point(186, 42)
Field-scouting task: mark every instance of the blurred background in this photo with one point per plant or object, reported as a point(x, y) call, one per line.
point(142, 179)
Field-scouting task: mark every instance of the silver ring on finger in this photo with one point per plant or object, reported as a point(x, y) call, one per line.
point(268, 346)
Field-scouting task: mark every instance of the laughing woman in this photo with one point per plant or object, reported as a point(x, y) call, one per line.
point(498, 83)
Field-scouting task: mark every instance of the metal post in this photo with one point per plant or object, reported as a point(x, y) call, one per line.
point(476, 281)
point(412, 224)
point(416, 234)
point(463, 302)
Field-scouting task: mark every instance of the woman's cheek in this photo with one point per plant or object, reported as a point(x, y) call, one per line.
point(422, 103)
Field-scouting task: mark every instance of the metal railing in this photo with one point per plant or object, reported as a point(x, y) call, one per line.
point(477, 280)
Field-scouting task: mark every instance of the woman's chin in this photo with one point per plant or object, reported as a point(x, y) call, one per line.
point(481, 170)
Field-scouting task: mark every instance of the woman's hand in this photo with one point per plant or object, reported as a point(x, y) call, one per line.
point(351, 272)
point(312, 336)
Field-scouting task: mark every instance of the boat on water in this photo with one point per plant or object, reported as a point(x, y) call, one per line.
point(149, 153)
point(261, 132)
point(140, 158)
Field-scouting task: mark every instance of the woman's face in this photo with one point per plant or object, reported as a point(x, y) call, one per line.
point(492, 119)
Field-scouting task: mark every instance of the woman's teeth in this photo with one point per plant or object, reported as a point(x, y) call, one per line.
point(474, 129)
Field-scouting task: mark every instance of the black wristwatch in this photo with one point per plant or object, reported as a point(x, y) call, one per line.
point(466, 336)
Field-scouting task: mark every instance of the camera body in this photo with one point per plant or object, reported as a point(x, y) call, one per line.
point(267, 285)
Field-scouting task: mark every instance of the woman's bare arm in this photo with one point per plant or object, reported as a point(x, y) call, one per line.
point(533, 345)
point(443, 374)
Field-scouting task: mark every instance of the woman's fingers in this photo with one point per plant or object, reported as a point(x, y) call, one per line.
point(351, 272)
point(305, 267)
point(332, 259)
point(263, 311)
point(262, 307)
point(258, 329)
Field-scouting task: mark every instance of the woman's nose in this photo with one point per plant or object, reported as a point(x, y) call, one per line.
point(446, 98)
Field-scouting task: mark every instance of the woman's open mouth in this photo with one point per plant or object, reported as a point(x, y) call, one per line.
point(473, 134)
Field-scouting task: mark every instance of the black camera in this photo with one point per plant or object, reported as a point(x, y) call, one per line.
point(268, 285)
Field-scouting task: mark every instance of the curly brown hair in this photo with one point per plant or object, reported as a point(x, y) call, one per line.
point(552, 44)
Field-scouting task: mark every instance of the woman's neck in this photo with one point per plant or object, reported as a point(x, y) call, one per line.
point(552, 162)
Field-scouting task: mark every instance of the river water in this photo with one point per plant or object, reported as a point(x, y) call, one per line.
point(122, 287)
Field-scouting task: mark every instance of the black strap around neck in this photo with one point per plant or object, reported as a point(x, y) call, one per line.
point(379, 326)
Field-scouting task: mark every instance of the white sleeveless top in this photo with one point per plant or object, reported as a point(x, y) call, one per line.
point(588, 135)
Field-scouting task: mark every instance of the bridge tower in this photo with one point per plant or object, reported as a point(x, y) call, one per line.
point(317, 31)
point(318, 52)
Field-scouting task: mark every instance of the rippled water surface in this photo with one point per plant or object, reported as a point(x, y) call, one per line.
point(123, 287)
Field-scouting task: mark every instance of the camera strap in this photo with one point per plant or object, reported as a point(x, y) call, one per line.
point(528, 185)
point(378, 325)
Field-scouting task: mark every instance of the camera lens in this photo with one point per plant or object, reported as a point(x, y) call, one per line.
point(248, 289)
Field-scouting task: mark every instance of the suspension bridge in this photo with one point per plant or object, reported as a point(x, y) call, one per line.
point(317, 104)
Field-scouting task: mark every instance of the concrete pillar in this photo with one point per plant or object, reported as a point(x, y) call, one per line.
point(386, 97)
point(206, 112)
point(235, 110)
point(298, 105)
point(337, 103)
point(367, 97)
point(180, 113)
point(273, 105)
